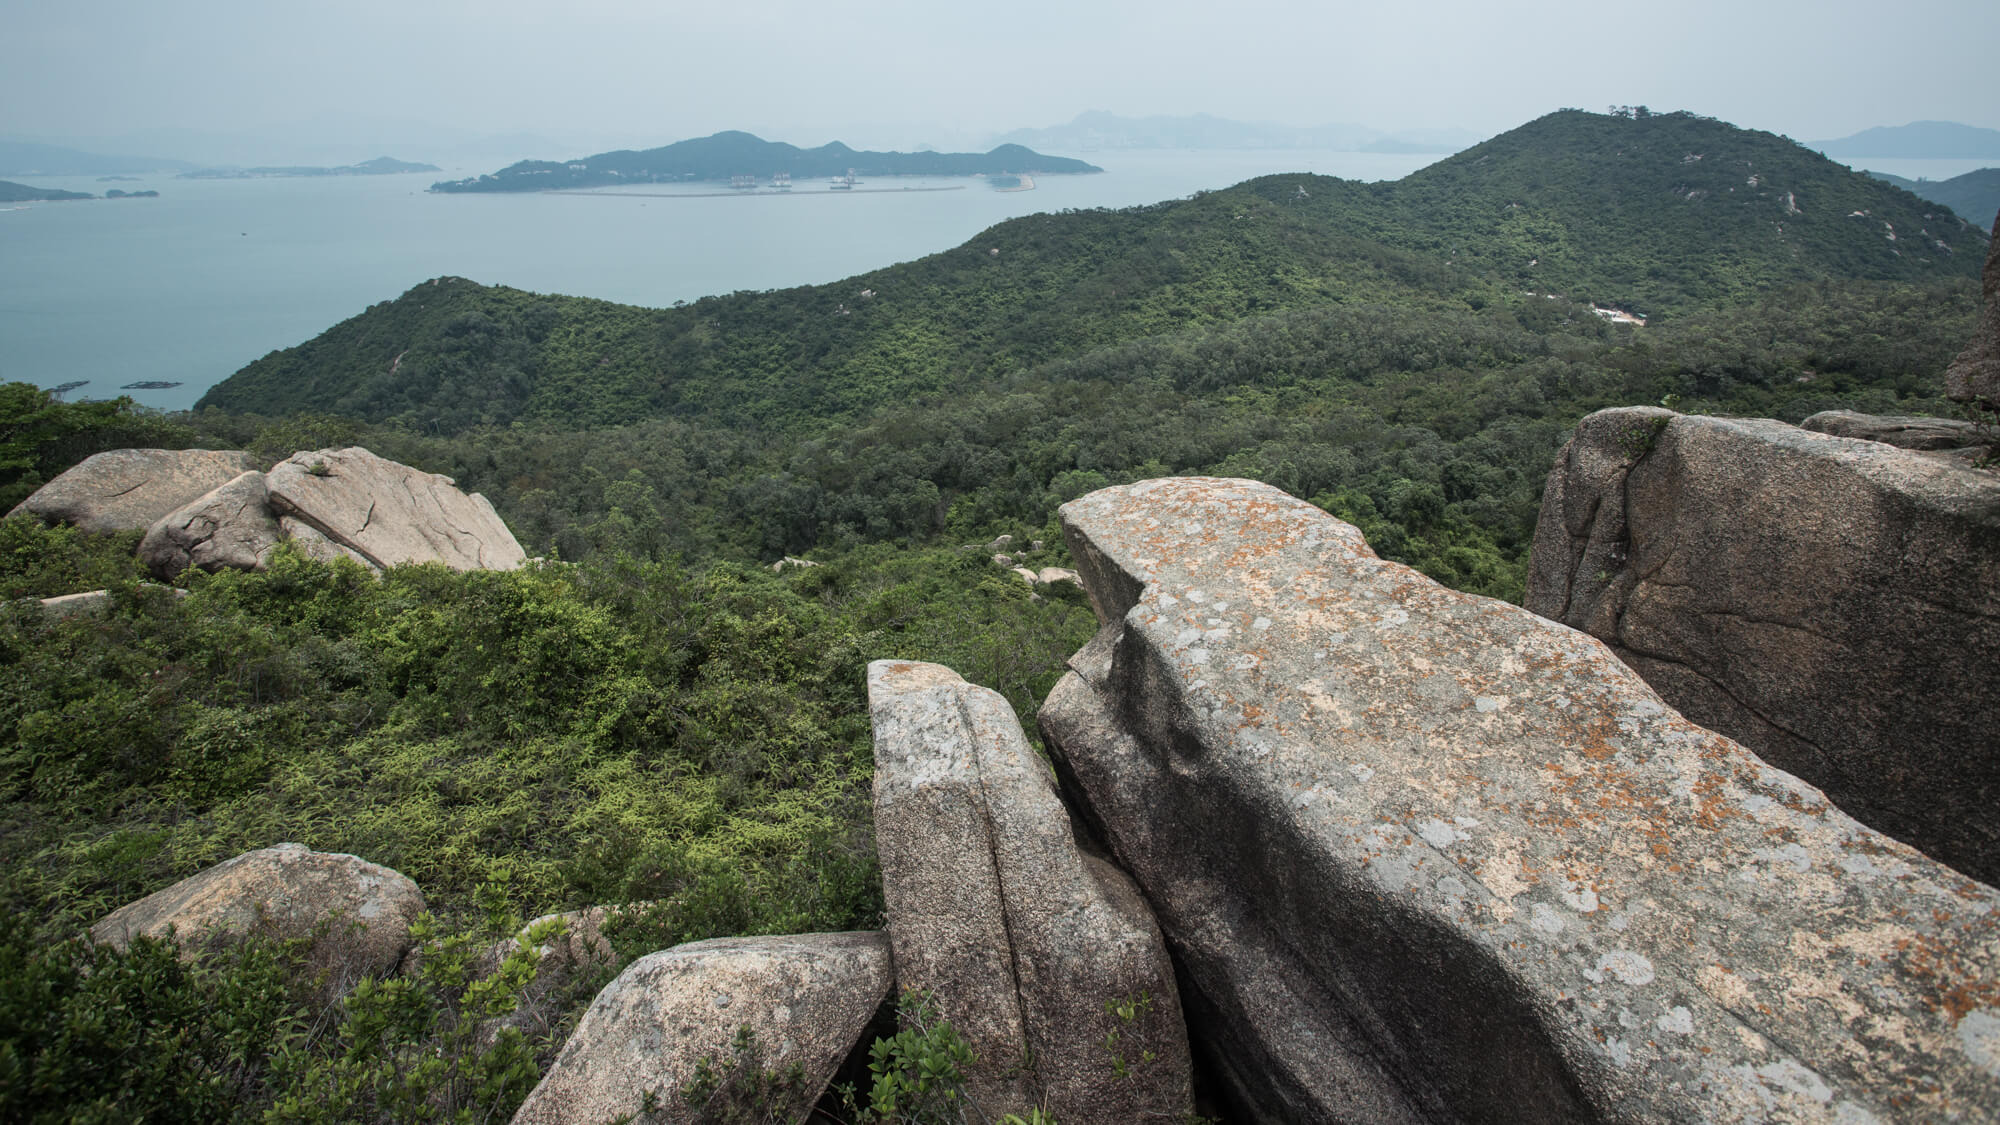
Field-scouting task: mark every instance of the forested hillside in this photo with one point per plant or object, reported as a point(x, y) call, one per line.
point(1668, 215)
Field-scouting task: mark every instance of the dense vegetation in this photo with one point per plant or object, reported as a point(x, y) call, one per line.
point(727, 155)
point(654, 715)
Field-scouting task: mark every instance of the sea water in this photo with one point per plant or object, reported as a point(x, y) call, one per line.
point(189, 287)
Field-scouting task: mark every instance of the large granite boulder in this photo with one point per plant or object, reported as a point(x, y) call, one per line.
point(231, 526)
point(388, 513)
point(359, 912)
point(129, 489)
point(1975, 375)
point(1829, 603)
point(806, 1000)
point(1429, 857)
point(1025, 942)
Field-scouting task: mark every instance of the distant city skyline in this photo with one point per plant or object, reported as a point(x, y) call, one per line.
point(332, 80)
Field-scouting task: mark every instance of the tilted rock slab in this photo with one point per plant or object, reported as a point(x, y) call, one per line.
point(129, 489)
point(1832, 604)
point(1927, 434)
point(1021, 938)
point(807, 1000)
point(1428, 857)
point(1975, 374)
point(286, 891)
point(231, 526)
point(388, 513)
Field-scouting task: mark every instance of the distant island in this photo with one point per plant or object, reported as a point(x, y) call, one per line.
point(1919, 140)
point(1974, 196)
point(380, 166)
point(1098, 130)
point(114, 193)
point(727, 156)
point(11, 192)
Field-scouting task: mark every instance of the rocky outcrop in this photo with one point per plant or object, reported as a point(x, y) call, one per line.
point(358, 912)
point(389, 513)
point(231, 526)
point(128, 489)
point(1024, 941)
point(1975, 375)
point(1427, 857)
point(1930, 435)
point(806, 1000)
point(1833, 604)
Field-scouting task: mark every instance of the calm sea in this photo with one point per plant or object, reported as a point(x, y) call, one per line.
point(189, 287)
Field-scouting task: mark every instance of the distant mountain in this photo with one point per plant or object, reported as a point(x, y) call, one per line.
point(726, 155)
point(380, 166)
point(22, 158)
point(1097, 130)
point(11, 192)
point(1975, 196)
point(1655, 211)
point(1919, 140)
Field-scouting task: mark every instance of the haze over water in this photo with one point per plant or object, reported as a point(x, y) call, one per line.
point(191, 286)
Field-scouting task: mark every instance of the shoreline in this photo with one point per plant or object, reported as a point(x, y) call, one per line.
point(728, 194)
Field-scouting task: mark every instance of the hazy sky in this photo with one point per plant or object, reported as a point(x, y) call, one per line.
point(900, 72)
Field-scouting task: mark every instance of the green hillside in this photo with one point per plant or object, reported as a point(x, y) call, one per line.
point(1974, 195)
point(1592, 208)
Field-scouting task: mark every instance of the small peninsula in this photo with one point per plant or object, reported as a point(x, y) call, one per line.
point(733, 154)
point(11, 192)
point(380, 166)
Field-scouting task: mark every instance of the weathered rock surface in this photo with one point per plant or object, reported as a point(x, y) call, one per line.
point(1975, 374)
point(1021, 937)
point(1938, 435)
point(285, 891)
point(231, 526)
point(314, 544)
point(1832, 604)
point(806, 999)
point(128, 489)
point(389, 513)
point(1428, 857)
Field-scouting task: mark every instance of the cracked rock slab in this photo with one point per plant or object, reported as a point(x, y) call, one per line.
point(231, 526)
point(1021, 937)
point(1429, 857)
point(389, 513)
point(129, 489)
point(806, 999)
point(1831, 603)
point(285, 891)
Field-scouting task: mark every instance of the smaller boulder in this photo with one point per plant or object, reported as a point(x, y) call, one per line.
point(360, 911)
point(230, 526)
point(389, 513)
point(130, 489)
point(1922, 434)
point(1027, 575)
point(806, 1000)
point(1050, 575)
